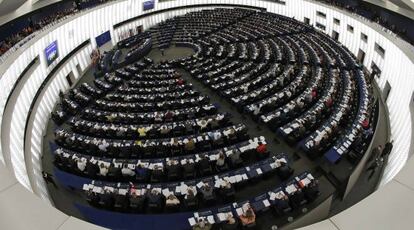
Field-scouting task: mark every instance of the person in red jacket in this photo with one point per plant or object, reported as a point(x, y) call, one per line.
point(261, 148)
point(180, 81)
point(314, 93)
point(329, 102)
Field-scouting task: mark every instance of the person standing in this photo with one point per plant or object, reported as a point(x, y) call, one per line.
point(49, 179)
point(387, 149)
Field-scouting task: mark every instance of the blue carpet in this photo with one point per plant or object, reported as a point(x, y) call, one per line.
point(69, 180)
point(114, 220)
point(52, 147)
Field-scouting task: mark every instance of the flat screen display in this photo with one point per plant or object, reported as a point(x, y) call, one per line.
point(51, 52)
point(103, 38)
point(149, 5)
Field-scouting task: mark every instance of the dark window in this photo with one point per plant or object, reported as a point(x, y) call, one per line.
point(277, 1)
point(320, 14)
point(70, 79)
point(361, 56)
point(364, 37)
point(335, 35)
point(380, 50)
point(320, 26)
point(306, 20)
point(350, 28)
point(337, 21)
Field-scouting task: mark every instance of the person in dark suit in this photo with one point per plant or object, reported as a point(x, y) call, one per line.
point(387, 149)
point(114, 172)
point(49, 178)
point(155, 199)
point(311, 190)
point(107, 199)
point(136, 201)
point(157, 174)
point(297, 198)
point(188, 168)
point(190, 200)
point(121, 201)
point(281, 203)
point(235, 158)
point(284, 171)
point(227, 189)
point(92, 197)
point(92, 170)
point(141, 173)
point(207, 192)
point(204, 165)
point(173, 169)
point(230, 223)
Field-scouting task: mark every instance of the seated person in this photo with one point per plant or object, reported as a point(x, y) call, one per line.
point(204, 165)
point(235, 157)
point(158, 117)
point(114, 172)
point(168, 116)
point(281, 202)
point(311, 190)
point(127, 172)
point(173, 169)
point(202, 124)
point(283, 169)
point(136, 200)
point(141, 172)
point(142, 132)
point(215, 136)
point(226, 188)
point(164, 130)
point(230, 223)
point(202, 224)
point(81, 164)
point(155, 199)
point(297, 198)
point(190, 145)
point(231, 135)
point(103, 146)
point(107, 199)
point(92, 169)
point(92, 197)
point(214, 123)
point(207, 192)
point(157, 173)
point(121, 200)
point(261, 149)
point(190, 198)
point(175, 146)
point(248, 217)
point(188, 168)
point(172, 201)
point(103, 170)
point(221, 161)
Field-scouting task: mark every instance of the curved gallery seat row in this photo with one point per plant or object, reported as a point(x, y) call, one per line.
point(271, 73)
point(143, 139)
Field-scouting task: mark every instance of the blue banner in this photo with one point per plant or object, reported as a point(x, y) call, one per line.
point(103, 38)
point(51, 52)
point(149, 5)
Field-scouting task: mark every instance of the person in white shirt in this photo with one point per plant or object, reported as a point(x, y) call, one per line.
point(172, 200)
point(127, 171)
point(103, 170)
point(103, 146)
point(81, 163)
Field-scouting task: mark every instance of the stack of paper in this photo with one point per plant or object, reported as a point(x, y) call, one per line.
point(266, 203)
point(192, 221)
